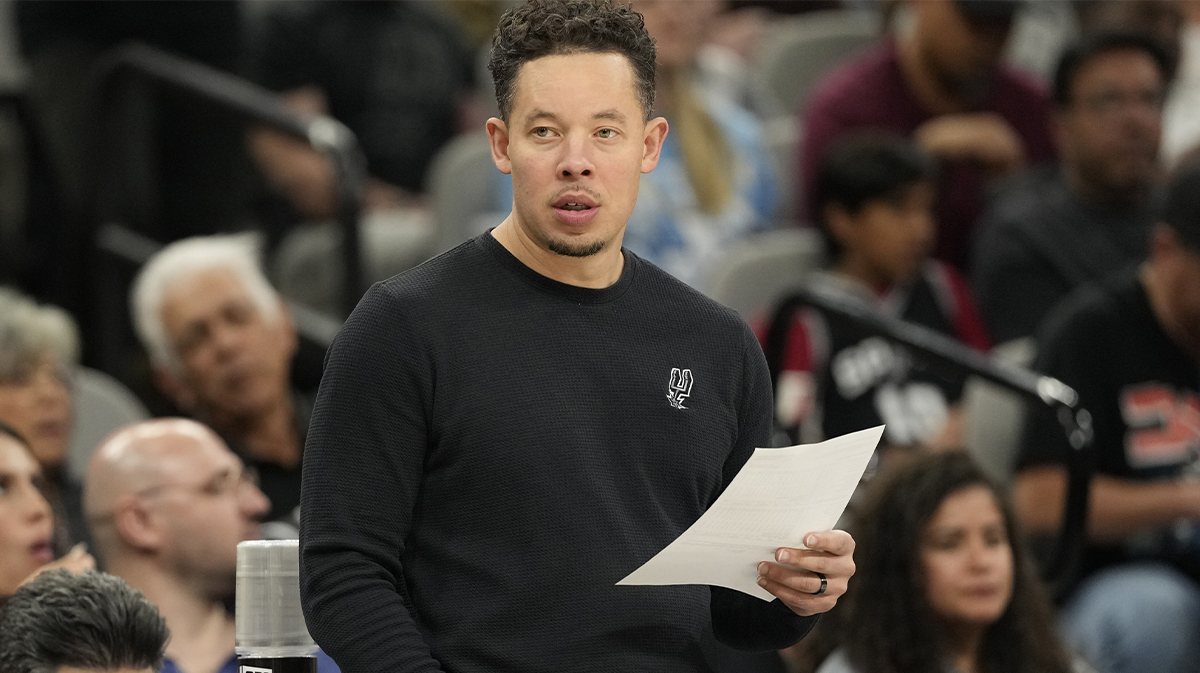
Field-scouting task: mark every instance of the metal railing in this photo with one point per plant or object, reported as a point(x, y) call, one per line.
point(942, 352)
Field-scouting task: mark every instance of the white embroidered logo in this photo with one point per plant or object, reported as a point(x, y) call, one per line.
point(680, 387)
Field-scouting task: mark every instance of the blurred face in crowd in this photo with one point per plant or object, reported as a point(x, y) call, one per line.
point(26, 523)
point(1109, 131)
point(1178, 268)
point(677, 28)
point(36, 401)
point(889, 238)
point(967, 559)
point(201, 504)
point(576, 143)
point(961, 53)
point(235, 359)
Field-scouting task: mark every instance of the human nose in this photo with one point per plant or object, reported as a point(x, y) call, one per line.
point(254, 502)
point(576, 159)
point(34, 506)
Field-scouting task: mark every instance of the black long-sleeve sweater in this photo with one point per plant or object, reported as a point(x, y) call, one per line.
point(491, 450)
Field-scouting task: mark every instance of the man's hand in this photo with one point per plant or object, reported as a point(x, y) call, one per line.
point(795, 579)
point(979, 136)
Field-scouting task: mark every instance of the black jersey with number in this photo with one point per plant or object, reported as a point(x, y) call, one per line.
point(837, 379)
point(1141, 390)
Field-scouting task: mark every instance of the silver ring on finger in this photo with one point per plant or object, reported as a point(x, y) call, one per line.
point(824, 584)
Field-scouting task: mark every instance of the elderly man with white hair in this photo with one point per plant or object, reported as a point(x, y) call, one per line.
point(220, 342)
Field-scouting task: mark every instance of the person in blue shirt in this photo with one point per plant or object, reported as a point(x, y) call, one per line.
point(168, 503)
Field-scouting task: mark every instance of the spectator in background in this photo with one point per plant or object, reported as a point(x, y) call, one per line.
point(92, 622)
point(398, 74)
point(942, 582)
point(168, 503)
point(942, 84)
point(220, 342)
point(1058, 227)
point(1131, 348)
point(714, 182)
point(26, 520)
point(39, 345)
point(1161, 19)
point(874, 196)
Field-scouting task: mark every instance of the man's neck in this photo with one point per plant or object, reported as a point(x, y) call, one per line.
point(270, 436)
point(594, 271)
point(1156, 293)
point(924, 85)
point(1099, 195)
point(202, 631)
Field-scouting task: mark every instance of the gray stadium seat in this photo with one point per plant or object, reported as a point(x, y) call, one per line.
point(994, 417)
point(102, 405)
point(759, 271)
point(461, 180)
point(796, 52)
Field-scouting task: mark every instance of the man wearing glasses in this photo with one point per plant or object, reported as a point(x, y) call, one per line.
point(168, 503)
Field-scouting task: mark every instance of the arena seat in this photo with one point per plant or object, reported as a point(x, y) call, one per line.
point(101, 404)
point(994, 417)
point(759, 271)
point(461, 180)
point(796, 52)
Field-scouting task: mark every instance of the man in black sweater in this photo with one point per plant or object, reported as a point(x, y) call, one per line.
point(504, 432)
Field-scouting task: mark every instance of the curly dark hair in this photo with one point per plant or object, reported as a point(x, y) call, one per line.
point(92, 621)
point(885, 623)
point(540, 28)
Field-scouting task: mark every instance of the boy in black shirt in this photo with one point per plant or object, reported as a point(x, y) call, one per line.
point(1131, 348)
point(875, 196)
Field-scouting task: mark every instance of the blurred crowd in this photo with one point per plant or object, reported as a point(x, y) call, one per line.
point(1021, 176)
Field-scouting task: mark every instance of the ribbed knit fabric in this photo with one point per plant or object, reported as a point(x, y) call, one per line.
point(491, 450)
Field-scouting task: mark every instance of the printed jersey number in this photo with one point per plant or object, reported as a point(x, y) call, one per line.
point(914, 412)
point(1164, 427)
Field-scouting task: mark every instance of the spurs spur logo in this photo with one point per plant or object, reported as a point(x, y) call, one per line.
point(680, 387)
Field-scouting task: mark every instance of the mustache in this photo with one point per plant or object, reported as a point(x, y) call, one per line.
point(578, 189)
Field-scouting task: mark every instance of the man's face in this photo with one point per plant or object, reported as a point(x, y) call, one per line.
point(1110, 130)
point(206, 504)
point(889, 238)
point(235, 359)
point(962, 54)
point(576, 145)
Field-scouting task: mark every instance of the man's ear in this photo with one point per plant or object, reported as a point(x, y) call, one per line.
point(174, 388)
point(136, 525)
point(656, 133)
point(497, 131)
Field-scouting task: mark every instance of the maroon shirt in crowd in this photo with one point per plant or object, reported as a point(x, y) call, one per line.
point(871, 93)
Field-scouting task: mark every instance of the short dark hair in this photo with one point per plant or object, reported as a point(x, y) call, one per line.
point(864, 168)
point(540, 28)
point(1181, 205)
point(92, 621)
point(1081, 53)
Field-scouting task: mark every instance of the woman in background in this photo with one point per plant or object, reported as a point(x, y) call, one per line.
point(942, 585)
point(26, 520)
point(39, 346)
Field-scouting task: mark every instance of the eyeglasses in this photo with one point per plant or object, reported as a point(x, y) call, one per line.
point(223, 483)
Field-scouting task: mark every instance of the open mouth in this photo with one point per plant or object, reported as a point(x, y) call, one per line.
point(576, 209)
point(42, 551)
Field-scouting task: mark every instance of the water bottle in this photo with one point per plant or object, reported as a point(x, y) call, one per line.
point(271, 634)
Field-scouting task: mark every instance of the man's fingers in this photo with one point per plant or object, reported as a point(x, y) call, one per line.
point(800, 602)
point(836, 542)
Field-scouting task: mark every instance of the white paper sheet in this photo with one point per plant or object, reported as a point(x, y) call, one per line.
point(778, 497)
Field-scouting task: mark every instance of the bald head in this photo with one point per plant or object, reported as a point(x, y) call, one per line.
point(141, 457)
point(167, 496)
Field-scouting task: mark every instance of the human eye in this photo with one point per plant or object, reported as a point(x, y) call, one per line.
point(5, 484)
point(543, 132)
point(607, 133)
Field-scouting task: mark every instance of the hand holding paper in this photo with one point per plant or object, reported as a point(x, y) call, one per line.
point(778, 497)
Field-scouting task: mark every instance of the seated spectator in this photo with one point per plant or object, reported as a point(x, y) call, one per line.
point(875, 197)
point(942, 84)
point(86, 623)
point(26, 520)
point(168, 503)
point(1131, 348)
point(220, 342)
point(39, 346)
point(398, 74)
point(942, 581)
point(1059, 227)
